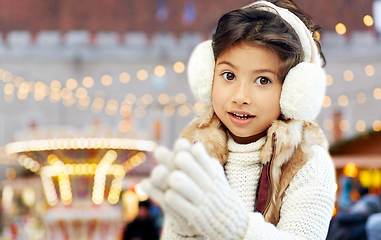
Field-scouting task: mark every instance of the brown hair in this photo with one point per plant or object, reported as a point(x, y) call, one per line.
point(264, 28)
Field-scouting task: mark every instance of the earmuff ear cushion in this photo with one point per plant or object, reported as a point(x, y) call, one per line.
point(201, 71)
point(303, 92)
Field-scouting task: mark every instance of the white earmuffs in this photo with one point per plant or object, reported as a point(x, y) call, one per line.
point(303, 89)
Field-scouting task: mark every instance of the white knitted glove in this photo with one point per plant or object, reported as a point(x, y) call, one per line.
point(200, 192)
point(156, 185)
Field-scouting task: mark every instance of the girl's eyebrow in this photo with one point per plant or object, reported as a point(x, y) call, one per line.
point(255, 71)
point(227, 63)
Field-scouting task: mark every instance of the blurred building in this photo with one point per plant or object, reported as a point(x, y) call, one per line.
point(122, 64)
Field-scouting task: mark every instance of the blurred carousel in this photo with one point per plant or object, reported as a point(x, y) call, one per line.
point(82, 173)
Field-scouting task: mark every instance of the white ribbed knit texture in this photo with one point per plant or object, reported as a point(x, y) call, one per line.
point(243, 170)
point(307, 204)
point(306, 208)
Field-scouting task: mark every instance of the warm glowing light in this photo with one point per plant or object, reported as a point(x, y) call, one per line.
point(130, 98)
point(369, 70)
point(361, 97)
point(163, 99)
point(348, 75)
point(334, 211)
point(328, 124)
point(169, 110)
point(198, 106)
point(22, 95)
point(343, 100)
point(9, 88)
point(350, 170)
point(329, 80)
point(71, 83)
point(316, 36)
point(376, 180)
point(179, 67)
point(159, 71)
point(88, 82)
point(181, 98)
point(55, 96)
point(10, 173)
point(344, 125)
point(125, 110)
point(106, 80)
point(7, 76)
point(84, 102)
point(124, 77)
point(377, 93)
point(112, 104)
point(327, 101)
point(66, 93)
point(124, 126)
point(184, 111)
point(55, 85)
point(142, 75)
point(18, 80)
point(340, 28)
point(361, 126)
point(81, 93)
point(98, 103)
point(377, 125)
point(365, 177)
point(368, 20)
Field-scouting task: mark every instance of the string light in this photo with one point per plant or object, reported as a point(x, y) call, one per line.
point(343, 100)
point(368, 20)
point(340, 28)
point(124, 77)
point(348, 75)
point(344, 125)
point(377, 93)
point(369, 70)
point(62, 144)
point(360, 126)
point(106, 80)
point(159, 71)
point(327, 101)
point(88, 82)
point(179, 67)
point(377, 125)
point(142, 75)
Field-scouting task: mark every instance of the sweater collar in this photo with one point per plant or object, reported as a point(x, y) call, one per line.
point(235, 147)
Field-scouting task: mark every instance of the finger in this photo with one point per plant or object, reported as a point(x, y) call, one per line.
point(185, 186)
point(187, 163)
point(154, 192)
point(206, 162)
point(182, 144)
point(164, 156)
point(159, 176)
point(178, 202)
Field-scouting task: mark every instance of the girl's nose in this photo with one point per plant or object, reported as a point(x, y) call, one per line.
point(241, 94)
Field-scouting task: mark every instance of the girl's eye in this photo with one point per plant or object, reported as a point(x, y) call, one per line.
point(228, 76)
point(262, 81)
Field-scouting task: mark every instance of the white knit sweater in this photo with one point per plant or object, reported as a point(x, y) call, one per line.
point(307, 203)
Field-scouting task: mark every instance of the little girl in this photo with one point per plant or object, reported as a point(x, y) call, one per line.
point(253, 165)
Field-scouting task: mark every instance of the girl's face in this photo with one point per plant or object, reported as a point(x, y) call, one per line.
point(246, 90)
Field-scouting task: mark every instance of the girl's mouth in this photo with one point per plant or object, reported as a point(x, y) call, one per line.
point(241, 116)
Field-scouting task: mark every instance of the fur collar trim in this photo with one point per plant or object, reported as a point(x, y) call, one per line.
point(288, 146)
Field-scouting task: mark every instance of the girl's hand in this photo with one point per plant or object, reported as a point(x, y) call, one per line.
point(200, 192)
point(157, 185)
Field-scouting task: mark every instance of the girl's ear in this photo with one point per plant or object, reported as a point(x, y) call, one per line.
point(201, 71)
